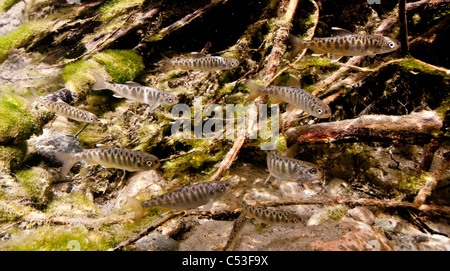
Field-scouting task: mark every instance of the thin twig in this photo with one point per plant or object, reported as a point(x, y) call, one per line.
point(147, 231)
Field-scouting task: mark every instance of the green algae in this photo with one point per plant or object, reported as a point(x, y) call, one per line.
point(21, 36)
point(5, 5)
point(114, 8)
point(122, 66)
point(36, 182)
point(13, 156)
point(57, 238)
point(17, 123)
point(73, 205)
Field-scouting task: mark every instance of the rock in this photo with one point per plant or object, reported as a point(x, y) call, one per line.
point(52, 141)
point(329, 213)
point(362, 214)
point(36, 182)
point(145, 182)
point(156, 242)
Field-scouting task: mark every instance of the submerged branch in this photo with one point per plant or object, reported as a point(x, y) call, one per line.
point(432, 181)
point(415, 127)
point(146, 231)
point(309, 36)
point(228, 160)
point(428, 209)
point(183, 21)
point(279, 46)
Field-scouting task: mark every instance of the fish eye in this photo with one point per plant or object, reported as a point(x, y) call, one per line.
point(222, 188)
point(313, 171)
point(149, 163)
point(319, 110)
point(391, 44)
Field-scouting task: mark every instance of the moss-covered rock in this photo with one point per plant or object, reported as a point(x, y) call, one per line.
point(24, 34)
point(121, 65)
point(73, 205)
point(5, 5)
point(50, 238)
point(12, 156)
point(36, 182)
point(16, 123)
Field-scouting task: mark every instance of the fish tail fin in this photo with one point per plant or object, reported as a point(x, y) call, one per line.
point(254, 90)
point(166, 64)
point(100, 83)
point(68, 160)
point(33, 97)
point(138, 209)
point(297, 43)
point(34, 94)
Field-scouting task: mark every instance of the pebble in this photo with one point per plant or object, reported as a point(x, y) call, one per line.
point(156, 242)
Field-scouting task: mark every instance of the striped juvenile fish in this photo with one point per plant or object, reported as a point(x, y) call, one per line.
point(270, 216)
point(109, 158)
point(295, 96)
point(345, 43)
point(206, 63)
point(62, 109)
point(135, 92)
point(187, 197)
point(289, 169)
point(238, 226)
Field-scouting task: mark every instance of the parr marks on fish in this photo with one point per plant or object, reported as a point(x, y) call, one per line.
point(346, 43)
point(205, 63)
point(271, 216)
point(135, 92)
point(289, 169)
point(295, 96)
point(111, 158)
point(63, 109)
point(187, 197)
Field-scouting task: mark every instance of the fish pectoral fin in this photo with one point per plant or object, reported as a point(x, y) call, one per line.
point(208, 205)
point(117, 96)
point(274, 99)
point(337, 31)
point(319, 54)
point(93, 164)
point(129, 101)
point(289, 109)
point(335, 57)
point(153, 106)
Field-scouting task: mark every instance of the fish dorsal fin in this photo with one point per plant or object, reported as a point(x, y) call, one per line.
point(132, 84)
point(104, 146)
point(340, 32)
point(258, 204)
point(293, 82)
point(196, 54)
point(291, 151)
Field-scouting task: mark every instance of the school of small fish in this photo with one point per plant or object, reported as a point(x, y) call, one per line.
point(280, 165)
